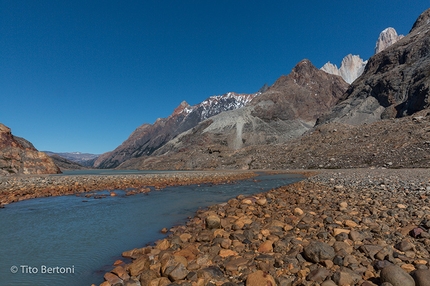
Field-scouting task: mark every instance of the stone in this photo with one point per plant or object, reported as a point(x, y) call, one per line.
point(328, 283)
point(356, 236)
point(266, 247)
point(185, 237)
point(298, 211)
point(422, 277)
point(343, 205)
point(139, 265)
point(211, 272)
point(162, 281)
point(337, 231)
point(227, 252)
point(318, 275)
point(396, 276)
point(370, 250)
point(162, 244)
point(343, 278)
point(351, 223)
point(178, 273)
point(416, 232)
point(121, 273)
point(408, 267)
point(147, 276)
point(234, 264)
point(213, 221)
point(260, 278)
point(112, 279)
point(318, 251)
point(404, 245)
point(261, 201)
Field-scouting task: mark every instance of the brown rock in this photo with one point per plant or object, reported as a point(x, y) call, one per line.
point(318, 251)
point(213, 221)
point(396, 276)
point(139, 265)
point(121, 273)
point(318, 275)
point(147, 276)
point(234, 264)
point(113, 279)
point(259, 278)
point(178, 273)
point(343, 278)
point(162, 244)
point(227, 252)
point(266, 247)
point(422, 277)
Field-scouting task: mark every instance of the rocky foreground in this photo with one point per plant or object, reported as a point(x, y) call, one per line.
point(350, 227)
point(17, 188)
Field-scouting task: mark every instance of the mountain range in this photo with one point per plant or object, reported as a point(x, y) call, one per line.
point(306, 119)
point(149, 137)
point(394, 83)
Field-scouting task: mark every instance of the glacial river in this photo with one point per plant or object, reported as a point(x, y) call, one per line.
point(72, 240)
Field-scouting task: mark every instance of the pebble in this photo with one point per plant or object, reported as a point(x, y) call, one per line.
point(396, 276)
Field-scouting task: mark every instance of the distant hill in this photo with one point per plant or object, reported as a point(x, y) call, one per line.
point(82, 159)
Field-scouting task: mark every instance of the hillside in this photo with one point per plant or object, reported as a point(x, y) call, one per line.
point(18, 156)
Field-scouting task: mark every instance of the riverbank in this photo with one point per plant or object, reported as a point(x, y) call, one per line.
point(23, 187)
point(340, 227)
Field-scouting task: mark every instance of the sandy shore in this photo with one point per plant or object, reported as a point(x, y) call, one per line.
point(340, 227)
point(17, 188)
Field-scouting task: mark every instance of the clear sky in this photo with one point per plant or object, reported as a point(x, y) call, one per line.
point(82, 75)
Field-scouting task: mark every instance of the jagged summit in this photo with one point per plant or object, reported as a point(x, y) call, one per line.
point(183, 107)
point(395, 82)
point(351, 68)
point(387, 38)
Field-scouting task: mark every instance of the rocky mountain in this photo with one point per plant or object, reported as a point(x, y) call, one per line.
point(83, 159)
point(18, 156)
point(387, 38)
point(286, 110)
point(149, 137)
point(395, 82)
point(351, 68)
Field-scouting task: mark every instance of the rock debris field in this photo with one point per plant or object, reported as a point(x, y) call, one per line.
point(341, 227)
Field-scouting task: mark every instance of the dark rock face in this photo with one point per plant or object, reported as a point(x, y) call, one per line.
point(18, 156)
point(149, 137)
point(303, 94)
point(395, 82)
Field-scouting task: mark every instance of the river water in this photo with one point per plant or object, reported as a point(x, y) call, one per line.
point(72, 240)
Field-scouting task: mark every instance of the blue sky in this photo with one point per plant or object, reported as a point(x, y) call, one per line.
point(82, 75)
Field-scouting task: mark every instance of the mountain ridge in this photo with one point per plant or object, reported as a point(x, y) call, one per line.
point(147, 138)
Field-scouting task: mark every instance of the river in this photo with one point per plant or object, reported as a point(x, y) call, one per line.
point(71, 240)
